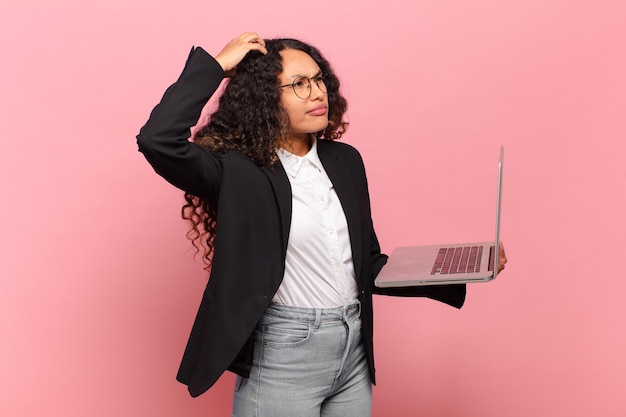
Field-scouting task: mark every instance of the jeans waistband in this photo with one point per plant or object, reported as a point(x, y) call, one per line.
point(349, 311)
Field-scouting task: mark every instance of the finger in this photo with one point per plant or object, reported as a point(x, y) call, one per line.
point(502, 252)
point(252, 37)
point(255, 42)
point(253, 46)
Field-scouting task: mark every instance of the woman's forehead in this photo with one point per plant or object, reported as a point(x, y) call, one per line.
point(297, 63)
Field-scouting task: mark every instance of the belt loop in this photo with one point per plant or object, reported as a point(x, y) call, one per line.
point(318, 318)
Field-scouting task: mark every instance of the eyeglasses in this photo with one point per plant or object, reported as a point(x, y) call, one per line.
point(302, 86)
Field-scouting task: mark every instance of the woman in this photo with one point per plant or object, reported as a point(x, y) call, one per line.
point(283, 215)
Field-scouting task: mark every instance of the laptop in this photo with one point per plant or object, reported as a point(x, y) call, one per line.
point(444, 264)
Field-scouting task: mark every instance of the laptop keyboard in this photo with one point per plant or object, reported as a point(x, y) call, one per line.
point(458, 260)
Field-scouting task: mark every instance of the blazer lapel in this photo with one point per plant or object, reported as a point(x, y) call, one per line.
point(282, 192)
point(341, 177)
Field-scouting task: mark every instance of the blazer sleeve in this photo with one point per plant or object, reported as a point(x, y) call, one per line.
point(164, 139)
point(453, 295)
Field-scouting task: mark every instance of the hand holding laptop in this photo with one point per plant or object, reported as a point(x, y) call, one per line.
point(501, 258)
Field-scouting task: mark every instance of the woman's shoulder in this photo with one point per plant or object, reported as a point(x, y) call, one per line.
point(338, 147)
point(342, 149)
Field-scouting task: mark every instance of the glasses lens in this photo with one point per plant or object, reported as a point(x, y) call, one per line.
point(321, 83)
point(302, 87)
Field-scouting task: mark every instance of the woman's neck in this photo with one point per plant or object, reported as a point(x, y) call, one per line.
point(298, 145)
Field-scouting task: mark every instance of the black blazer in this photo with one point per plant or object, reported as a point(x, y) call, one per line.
point(254, 217)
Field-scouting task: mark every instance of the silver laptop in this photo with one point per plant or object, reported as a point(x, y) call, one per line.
point(444, 264)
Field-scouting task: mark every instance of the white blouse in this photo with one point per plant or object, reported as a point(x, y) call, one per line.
point(319, 272)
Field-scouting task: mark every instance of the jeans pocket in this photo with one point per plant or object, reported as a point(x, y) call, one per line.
point(285, 333)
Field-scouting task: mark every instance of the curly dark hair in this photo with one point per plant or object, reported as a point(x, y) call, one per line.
point(250, 120)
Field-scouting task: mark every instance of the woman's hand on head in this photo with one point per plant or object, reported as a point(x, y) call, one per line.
point(237, 49)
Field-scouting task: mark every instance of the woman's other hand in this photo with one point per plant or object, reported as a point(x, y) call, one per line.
point(501, 257)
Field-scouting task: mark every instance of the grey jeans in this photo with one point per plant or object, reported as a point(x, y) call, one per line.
point(307, 362)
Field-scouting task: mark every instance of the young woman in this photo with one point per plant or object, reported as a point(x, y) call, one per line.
point(282, 214)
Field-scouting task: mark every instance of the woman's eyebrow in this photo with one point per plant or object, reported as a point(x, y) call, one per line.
point(296, 76)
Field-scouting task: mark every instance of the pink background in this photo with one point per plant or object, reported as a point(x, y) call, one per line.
point(98, 285)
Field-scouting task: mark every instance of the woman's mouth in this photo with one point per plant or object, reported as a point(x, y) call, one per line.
point(318, 111)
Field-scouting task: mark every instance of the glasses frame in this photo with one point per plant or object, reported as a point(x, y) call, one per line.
point(316, 78)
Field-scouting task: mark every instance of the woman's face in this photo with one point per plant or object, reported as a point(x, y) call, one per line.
point(308, 115)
